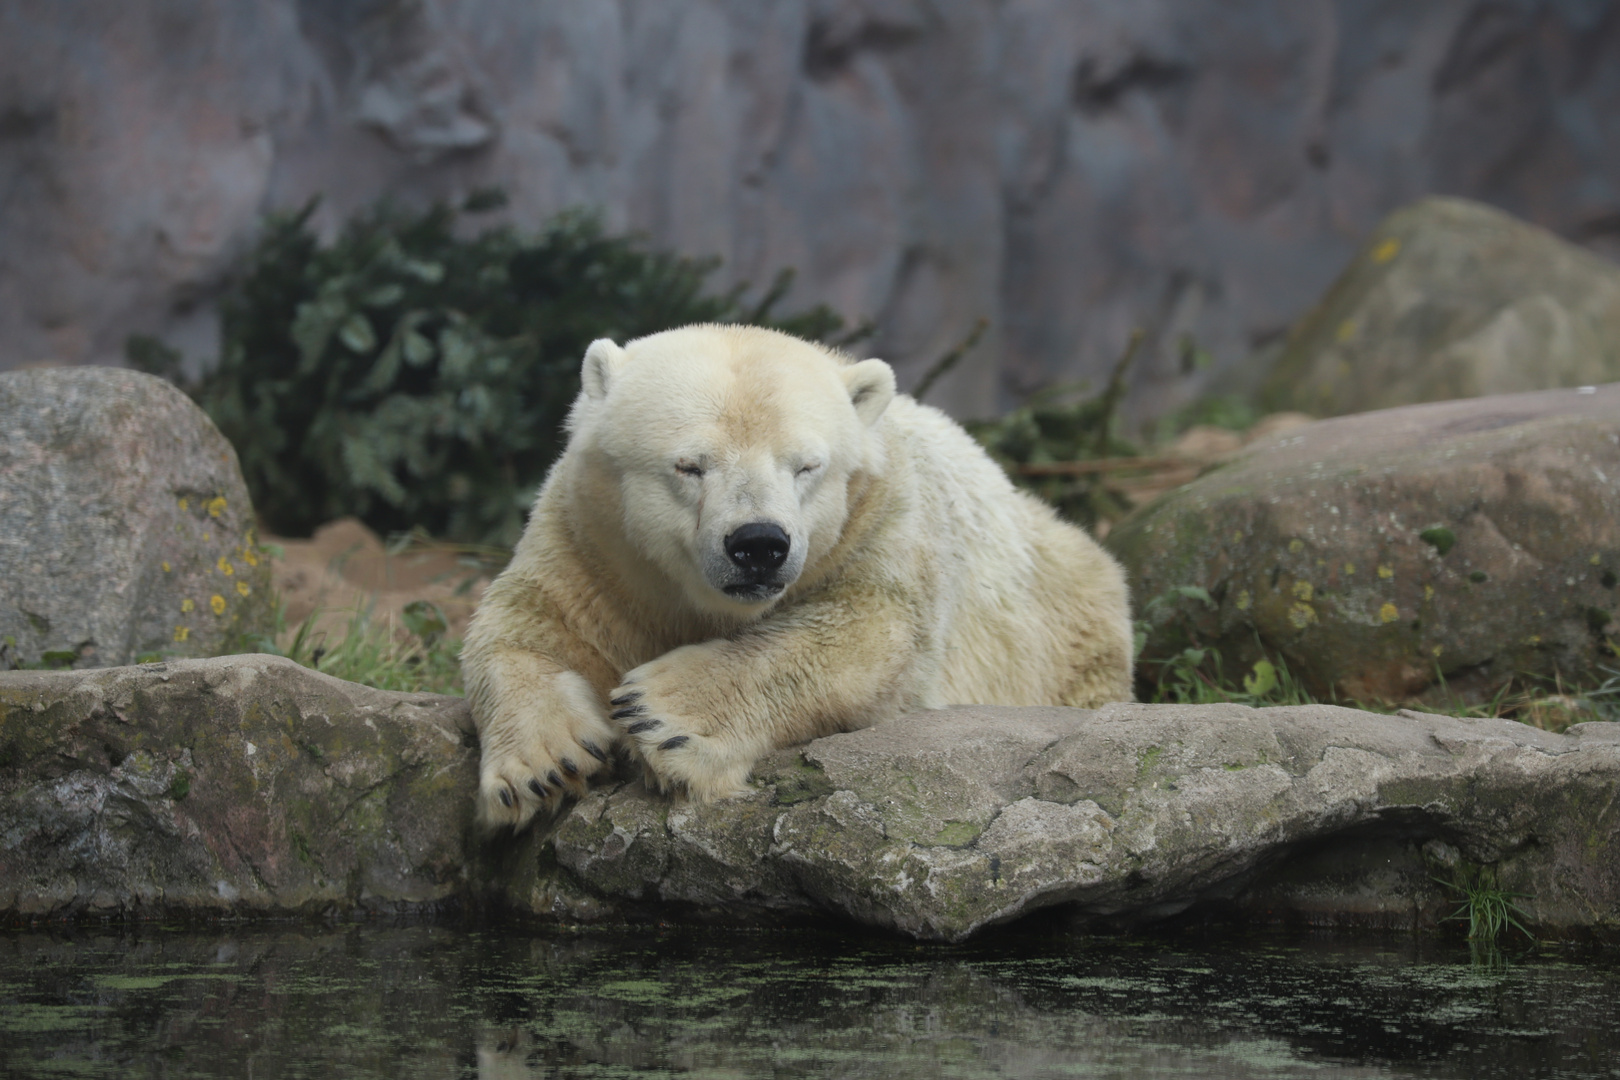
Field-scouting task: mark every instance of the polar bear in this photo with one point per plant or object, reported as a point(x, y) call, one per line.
point(751, 541)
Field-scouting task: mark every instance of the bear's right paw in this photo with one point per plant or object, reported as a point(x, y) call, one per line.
point(535, 758)
point(676, 753)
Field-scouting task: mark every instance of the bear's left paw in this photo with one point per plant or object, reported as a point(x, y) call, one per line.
point(678, 751)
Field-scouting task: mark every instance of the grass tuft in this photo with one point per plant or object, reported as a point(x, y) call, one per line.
point(1488, 908)
point(375, 653)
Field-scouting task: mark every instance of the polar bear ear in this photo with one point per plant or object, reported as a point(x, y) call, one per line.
point(871, 388)
point(602, 362)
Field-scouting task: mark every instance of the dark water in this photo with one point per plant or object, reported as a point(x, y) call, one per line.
point(431, 1001)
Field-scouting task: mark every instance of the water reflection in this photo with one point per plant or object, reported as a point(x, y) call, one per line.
point(434, 1001)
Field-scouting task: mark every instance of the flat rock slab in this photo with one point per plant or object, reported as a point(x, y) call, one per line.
point(941, 824)
point(249, 785)
point(236, 786)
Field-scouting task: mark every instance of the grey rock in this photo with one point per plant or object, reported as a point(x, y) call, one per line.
point(1452, 299)
point(1067, 169)
point(1409, 554)
point(941, 824)
point(234, 786)
point(249, 785)
point(125, 526)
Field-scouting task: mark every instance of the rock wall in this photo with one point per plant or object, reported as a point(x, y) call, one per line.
point(1065, 168)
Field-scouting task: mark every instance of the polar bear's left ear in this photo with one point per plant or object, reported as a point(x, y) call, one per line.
point(602, 362)
point(871, 388)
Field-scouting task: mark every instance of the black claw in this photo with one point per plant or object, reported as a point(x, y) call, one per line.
point(675, 743)
point(644, 725)
point(534, 786)
point(569, 767)
point(628, 711)
point(626, 698)
point(594, 750)
point(505, 797)
point(553, 779)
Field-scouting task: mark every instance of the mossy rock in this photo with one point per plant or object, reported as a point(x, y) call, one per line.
point(1413, 554)
point(126, 531)
point(1450, 299)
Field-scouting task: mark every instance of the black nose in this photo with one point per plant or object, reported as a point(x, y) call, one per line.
point(758, 547)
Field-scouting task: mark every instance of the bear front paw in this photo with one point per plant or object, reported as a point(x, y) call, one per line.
point(677, 752)
point(537, 756)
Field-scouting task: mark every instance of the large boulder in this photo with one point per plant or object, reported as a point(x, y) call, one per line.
point(1452, 299)
point(235, 786)
point(1414, 553)
point(249, 785)
point(125, 526)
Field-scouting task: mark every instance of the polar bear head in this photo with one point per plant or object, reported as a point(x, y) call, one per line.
point(723, 456)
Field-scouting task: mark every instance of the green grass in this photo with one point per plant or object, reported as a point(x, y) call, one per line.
point(1484, 905)
point(375, 653)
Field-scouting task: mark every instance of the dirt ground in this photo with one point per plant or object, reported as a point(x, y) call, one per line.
point(345, 567)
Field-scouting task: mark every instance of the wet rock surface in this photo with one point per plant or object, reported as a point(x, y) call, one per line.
point(125, 525)
point(1407, 554)
point(236, 786)
point(248, 785)
point(941, 824)
point(1452, 299)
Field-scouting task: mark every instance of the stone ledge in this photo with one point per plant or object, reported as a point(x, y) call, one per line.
point(251, 786)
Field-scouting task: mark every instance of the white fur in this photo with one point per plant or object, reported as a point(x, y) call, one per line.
point(916, 575)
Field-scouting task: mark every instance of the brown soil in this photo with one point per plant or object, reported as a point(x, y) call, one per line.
point(344, 567)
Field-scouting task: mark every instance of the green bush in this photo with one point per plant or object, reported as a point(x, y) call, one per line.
point(415, 378)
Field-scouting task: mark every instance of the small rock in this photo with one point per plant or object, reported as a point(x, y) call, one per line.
point(1452, 299)
point(125, 526)
point(1408, 554)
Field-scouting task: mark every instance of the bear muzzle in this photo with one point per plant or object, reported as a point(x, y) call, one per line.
point(757, 551)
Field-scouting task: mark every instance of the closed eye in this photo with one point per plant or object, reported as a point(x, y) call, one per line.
point(806, 470)
point(686, 468)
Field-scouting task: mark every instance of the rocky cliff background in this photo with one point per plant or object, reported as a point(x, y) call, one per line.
point(1066, 169)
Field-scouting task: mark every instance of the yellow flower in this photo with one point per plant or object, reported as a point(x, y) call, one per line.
point(165, 566)
point(1386, 251)
point(1301, 615)
point(1389, 613)
point(249, 557)
point(1349, 567)
point(225, 567)
point(181, 633)
point(217, 602)
point(1386, 572)
point(216, 506)
point(1243, 600)
point(1296, 546)
point(243, 588)
point(185, 505)
point(1303, 590)
point(186, 606)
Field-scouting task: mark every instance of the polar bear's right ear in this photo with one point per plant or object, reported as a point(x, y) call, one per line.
point(602, 362)
point(871, 388)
